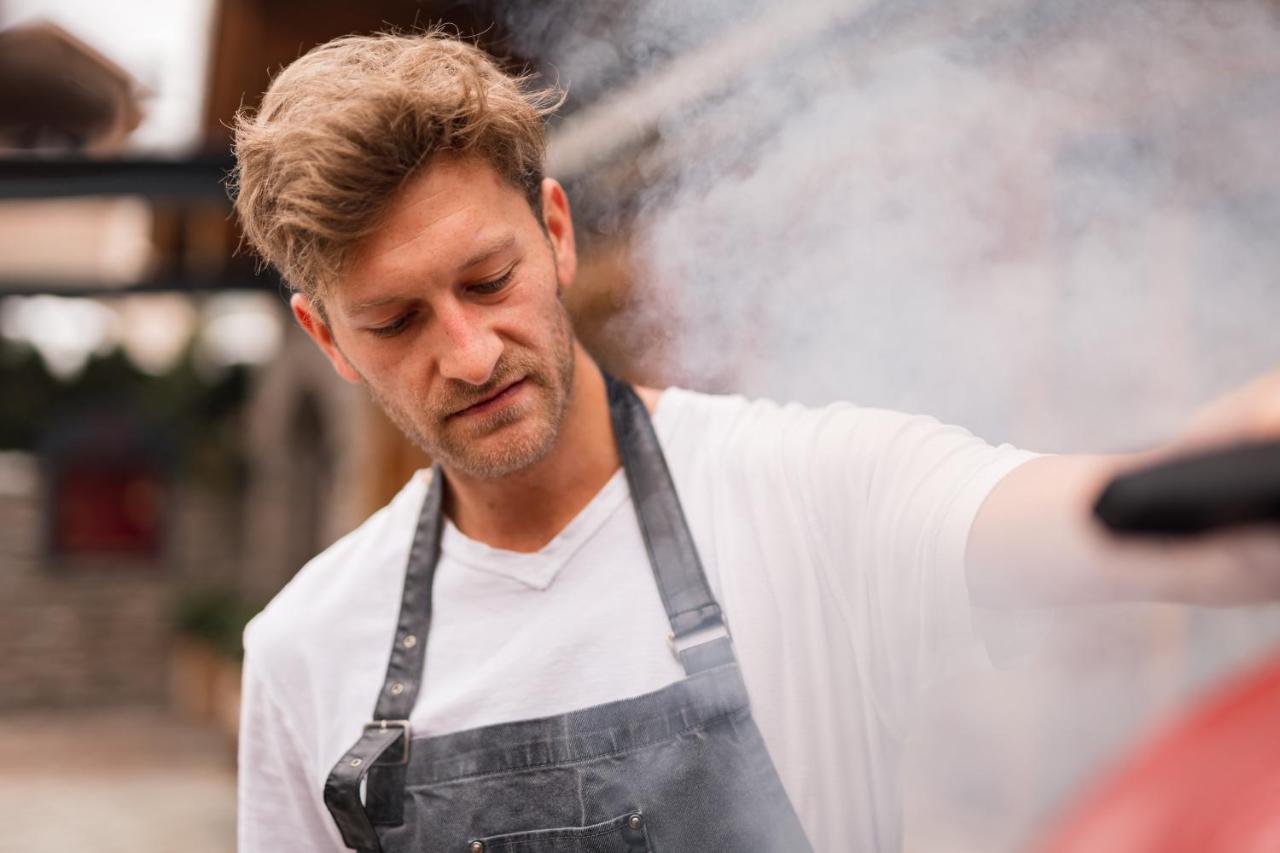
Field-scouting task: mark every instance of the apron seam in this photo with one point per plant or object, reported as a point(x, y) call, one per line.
point(550, 834)
point(709, 723)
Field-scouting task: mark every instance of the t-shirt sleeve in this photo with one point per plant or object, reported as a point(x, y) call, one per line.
point(280, 809)
point(886, 501)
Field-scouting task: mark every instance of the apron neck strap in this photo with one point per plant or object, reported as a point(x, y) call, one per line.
point(698, 637)
point(404, 670)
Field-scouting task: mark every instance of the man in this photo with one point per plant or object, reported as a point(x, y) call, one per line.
point(529, 647)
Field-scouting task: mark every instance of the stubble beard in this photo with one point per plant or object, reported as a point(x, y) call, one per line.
point(478, 452)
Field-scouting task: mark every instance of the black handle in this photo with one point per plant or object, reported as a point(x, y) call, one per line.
point(1228, 487)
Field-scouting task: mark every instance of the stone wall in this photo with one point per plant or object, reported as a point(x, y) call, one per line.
point(94, 632)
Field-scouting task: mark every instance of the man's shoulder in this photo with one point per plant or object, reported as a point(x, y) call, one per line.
point(687, 412)
point(750, 424)
point(758, 445)
point(738, 447)
point(323, 593)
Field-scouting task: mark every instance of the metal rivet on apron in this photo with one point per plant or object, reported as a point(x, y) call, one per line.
point(634, 821)
point(356, 762)
point(397, 689)
point(476, 847)
point(409, 641)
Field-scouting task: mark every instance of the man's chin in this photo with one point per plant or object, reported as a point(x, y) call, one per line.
point(494, 466)
point(501, 453)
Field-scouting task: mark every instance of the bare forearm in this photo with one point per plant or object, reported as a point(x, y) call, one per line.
point(1035, 542)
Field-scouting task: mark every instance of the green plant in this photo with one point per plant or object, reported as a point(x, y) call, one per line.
point(214, 616)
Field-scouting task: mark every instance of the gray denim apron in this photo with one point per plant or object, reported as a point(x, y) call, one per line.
point(680, 769)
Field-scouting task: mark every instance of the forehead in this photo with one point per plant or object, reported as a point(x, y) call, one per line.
point(440, 218)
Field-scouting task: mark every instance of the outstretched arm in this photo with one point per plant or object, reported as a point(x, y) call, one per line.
point(1035, 541)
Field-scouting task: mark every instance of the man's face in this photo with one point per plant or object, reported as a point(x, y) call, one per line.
point(450, 314)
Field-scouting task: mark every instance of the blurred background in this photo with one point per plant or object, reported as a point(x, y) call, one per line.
point(1051, 221)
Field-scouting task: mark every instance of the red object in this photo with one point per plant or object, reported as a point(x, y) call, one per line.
point(1209, 784)
point(108, 510)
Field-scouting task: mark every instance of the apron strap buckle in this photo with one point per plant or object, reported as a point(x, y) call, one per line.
point(679, 645)
point(384, 744)
point(393, 755)
point(705, 643)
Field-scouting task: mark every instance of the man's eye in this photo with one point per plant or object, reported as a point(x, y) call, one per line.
point(488, 288)
point(393, 328)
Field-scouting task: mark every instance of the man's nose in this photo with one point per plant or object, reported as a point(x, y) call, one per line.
point(471, 348)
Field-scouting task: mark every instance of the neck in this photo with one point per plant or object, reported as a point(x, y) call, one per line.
point(525, 510)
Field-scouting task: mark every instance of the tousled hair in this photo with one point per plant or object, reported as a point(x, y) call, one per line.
point(342, 128)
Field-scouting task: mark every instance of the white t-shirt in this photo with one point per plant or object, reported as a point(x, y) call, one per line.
point(833, 539)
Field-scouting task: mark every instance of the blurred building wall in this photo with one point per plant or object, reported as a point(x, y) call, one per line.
point(79, 632)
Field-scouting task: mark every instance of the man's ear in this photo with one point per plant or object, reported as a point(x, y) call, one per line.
point(559, 224)
point(307, 313)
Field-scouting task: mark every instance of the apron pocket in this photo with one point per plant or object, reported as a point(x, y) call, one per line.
point(624, 834)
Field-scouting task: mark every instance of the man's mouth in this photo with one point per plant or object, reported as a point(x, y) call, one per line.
point(497, 399)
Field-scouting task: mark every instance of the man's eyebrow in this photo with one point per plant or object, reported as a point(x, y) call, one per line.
point(370, 304)
point(488, 251)
point(479, 256)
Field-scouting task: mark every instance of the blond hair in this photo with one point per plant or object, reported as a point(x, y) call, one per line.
point(343, 127)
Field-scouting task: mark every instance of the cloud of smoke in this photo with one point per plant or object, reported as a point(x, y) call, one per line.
point(1011, 216)
point(1051, 222)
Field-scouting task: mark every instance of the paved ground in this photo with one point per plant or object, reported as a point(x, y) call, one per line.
point(113, 781)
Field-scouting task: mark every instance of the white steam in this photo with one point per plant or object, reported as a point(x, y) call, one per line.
point(1063, 238)
point(1054, 223)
